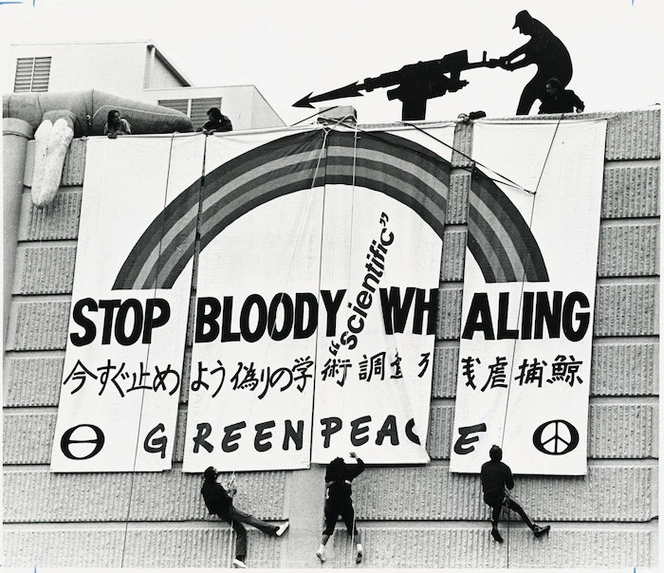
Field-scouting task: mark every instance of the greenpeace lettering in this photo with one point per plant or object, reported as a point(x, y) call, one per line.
point(263, 437)
point(387, 434)
point(289, 434)
point(542, 316)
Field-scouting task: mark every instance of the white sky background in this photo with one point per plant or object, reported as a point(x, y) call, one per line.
point(288, 48)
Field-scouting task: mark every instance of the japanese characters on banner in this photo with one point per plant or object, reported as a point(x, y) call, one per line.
point(315, 314)
point(529, 297)
point(126, 337)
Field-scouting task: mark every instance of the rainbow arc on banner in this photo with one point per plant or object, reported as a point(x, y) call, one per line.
point(498, 236)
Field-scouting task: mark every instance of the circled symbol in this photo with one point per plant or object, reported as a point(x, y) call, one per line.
point(97, 440)
point(556, 438)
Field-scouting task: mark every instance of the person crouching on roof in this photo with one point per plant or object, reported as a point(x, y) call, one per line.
point(338, 502)
point(219, 502)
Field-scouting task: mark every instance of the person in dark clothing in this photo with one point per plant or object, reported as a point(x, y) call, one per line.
point(217, 121)
point(495, 477)
point(559, 100)
point(543, 49)
point(338, 502)
point(116, 125)
point(219, 502)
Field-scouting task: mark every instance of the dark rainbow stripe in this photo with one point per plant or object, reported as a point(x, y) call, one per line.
point(499, 238)
point(383, 162)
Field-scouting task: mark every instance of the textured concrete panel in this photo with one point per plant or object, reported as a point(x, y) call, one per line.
point(633, 135)
point(463, 145)
point(27, 437)
point(629, 250)
point(44, 269)
point(457, 204)
point(620, 492)
point(449, 312)
point(472, 547)
point(625, 368)
point(626, 431)
point(89, 547)
point(446, 361)
point(454, 255)
point(186, 547)
point(259, 493)
point(74, 168)
point(186, 372)
point(210, 545)
point(567, 546)
point(441, 427)
point(32, 380)
point(57, 221)
point(180, 430)
point(431, 547)
point(41, 496)
point(38, 325)
point(630, 191)
point(621, 431)
point(608, 493)
point(626, 309)
point(571, 548)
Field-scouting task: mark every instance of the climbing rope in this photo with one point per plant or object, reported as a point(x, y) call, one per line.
point(147, 358)
point(303, 220)
point(523, 284)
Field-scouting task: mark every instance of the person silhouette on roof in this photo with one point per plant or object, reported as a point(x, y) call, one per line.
point(559, 100)
point(217, 122)
point(546, 51)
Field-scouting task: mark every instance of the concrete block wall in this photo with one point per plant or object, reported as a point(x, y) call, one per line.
point(409, 516)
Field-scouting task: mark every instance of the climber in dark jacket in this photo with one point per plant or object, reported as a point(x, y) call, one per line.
point(220, 502)
point(338, 502)
point(496, 476)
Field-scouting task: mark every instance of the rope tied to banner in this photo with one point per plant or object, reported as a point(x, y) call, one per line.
point(303, 220)
point(503, 179)
point(522, 287)
point(147, 358)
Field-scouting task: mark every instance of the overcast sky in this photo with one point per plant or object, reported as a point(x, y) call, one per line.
point(288, 48)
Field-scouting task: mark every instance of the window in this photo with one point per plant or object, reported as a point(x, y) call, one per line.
point(195, 108)
point(32, 74)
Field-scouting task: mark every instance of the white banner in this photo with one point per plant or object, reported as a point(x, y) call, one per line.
point(125, 346)
point(374, 377)
point(312, 243)
point(528, 298)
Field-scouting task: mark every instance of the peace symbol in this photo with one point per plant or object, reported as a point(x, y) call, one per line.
point(556, 438)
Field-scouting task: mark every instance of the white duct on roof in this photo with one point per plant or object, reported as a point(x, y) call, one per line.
point(58, 117)
point(51, 143)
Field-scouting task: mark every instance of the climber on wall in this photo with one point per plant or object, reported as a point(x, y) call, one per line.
point(496, 479)
point(219, 501)
point(338, 502)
